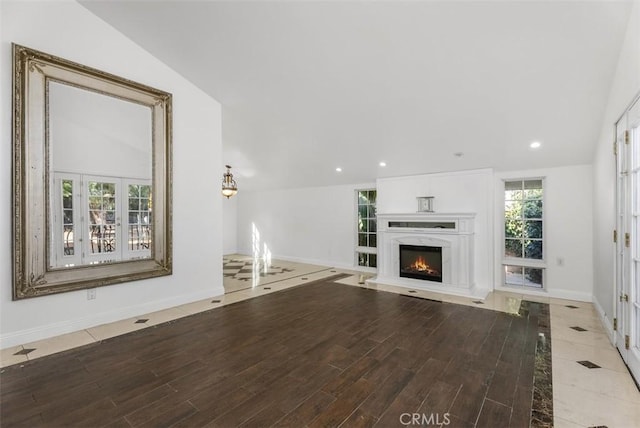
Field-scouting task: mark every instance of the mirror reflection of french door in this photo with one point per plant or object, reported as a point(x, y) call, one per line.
point(627, 148)
point(99, 219)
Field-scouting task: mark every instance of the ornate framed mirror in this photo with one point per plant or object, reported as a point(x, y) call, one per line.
point(91, 177)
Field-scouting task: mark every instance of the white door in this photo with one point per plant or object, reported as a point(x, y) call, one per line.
point(66, 232)
point(102, 211)
point(628, 239)
point(99, 220)
point(137, 214)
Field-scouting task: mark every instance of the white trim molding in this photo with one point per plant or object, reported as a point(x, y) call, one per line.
point(22, 337)
point(606, 322)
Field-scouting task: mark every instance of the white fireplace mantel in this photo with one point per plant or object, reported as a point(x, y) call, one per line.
point(453, 232)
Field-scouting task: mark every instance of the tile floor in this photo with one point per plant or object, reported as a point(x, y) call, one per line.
point(604, 395)
point(242, 272)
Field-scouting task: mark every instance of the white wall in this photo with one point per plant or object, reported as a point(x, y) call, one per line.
point(568, 225)
point(625, 86)
point(97, 134)
point(68, 30)
point(230, 225)
point(311, 225)
point(317, 225)
point(456, 192)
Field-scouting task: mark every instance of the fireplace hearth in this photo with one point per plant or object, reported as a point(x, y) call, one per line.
point(421, 262)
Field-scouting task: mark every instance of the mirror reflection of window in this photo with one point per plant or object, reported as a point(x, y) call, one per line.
point(100, 148)
point(102, 217)
point(96, 222)
point(78, 125)
point(139, 217)
point(67, 231)
point(67, 216)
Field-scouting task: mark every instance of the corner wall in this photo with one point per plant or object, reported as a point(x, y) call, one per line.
point(625, 86)
point(69, 30)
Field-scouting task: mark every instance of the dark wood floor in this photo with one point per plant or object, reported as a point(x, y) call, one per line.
point(319, 355)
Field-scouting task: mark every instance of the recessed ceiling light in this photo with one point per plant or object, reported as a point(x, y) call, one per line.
point(382, 164)
point(535, 145)
point(338, 169)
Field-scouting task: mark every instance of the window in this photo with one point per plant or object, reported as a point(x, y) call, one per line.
point(97, 222)
point(102, 218)
point(139, 217)
point(366, 229)
point(68, 248)
point(523, 233)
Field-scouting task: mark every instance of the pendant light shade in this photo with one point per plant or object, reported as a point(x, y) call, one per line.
point(229, 186)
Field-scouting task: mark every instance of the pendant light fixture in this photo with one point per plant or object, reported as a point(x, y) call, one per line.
point(229, 186)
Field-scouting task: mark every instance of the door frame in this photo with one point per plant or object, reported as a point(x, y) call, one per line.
point(627, 244)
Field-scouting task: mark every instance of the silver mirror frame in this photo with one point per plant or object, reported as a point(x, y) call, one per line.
point(32, 70)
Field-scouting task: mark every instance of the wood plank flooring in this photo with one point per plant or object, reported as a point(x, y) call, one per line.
point(318, 355)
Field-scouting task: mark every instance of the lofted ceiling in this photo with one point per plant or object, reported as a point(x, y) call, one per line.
point(306, 87)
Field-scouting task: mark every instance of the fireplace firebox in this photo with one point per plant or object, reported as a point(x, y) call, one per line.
point(421, 262)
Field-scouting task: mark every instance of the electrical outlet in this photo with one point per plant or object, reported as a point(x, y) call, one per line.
point(91, 293)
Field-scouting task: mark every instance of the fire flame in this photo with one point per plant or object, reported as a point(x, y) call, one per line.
point(420, 265)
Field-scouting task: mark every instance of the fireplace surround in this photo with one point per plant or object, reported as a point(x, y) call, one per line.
point(449, 235)
point(421, 262)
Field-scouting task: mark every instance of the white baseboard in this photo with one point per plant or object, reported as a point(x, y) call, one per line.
point(22, 337)
point(606, 322)
point(579, 296)
point(319, 262)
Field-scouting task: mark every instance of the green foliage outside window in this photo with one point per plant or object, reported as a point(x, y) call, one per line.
point(367, 227)
point(523, 228)
point(367, 218)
